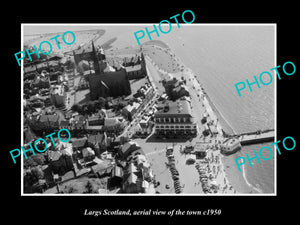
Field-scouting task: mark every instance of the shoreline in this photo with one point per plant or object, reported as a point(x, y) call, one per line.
point(179, 71)
point(187, 73)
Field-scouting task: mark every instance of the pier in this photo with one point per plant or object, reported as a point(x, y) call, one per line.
point(256, 137)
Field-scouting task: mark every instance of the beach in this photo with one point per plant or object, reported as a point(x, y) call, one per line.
point(168, 65)
point(235, 115)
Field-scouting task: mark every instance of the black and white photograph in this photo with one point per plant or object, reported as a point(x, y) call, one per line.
point(162, 117)
point(150, 114)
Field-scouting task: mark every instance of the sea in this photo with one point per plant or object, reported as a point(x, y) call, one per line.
point(221, 56)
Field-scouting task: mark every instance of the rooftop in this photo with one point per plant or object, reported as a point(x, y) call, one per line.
point(57, 89)
point(180, 107)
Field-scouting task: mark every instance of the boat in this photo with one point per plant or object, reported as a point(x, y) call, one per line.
point(230, 146)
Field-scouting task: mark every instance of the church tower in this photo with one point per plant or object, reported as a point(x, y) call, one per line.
point(99, 65)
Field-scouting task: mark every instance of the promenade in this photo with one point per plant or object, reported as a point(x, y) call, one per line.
point(155, 149)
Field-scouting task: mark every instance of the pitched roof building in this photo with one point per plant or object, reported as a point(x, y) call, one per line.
point(104, 84)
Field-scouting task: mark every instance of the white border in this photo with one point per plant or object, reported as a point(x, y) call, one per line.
point(146, 24)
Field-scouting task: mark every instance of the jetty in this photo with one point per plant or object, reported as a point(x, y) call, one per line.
point(256, 137)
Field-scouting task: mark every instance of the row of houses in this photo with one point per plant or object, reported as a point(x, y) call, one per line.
point(142, 96)
point(77, 123)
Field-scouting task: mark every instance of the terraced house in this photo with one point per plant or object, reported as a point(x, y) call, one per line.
point(174, 119)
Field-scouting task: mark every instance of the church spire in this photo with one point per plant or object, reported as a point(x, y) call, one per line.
point(96, 60)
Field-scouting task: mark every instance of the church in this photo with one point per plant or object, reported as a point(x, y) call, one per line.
point(104, 82)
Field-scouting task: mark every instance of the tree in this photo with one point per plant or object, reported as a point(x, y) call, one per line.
point(37, 173)
point(39, 159)
point(29, 162)
point(89, 187)
point(91, 107)
point(77, 108)
point(85, 109)
point(102, 102)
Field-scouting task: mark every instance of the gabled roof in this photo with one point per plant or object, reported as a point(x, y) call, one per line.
point(104, 167)
point(77, 143)
point(64, 123)
point(96, 138)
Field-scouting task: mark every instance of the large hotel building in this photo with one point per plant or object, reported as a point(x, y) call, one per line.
point(175, 120)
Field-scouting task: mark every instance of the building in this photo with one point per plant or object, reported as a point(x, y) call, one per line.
point(129, 150)
point(230, 146)
point(57, 95)
point(103, 169)
point(130, 110)
point(200, 149)
point(109, 84)
point(41, 82)
point(146, 92)
point(138, 176)
point(135, 67)
point(116, 177)
point(95, 120)
point(103, 83)
point(79, 143)
point(59, 163)
point(88, 154)
point(44, 122)
point(175, 120)
point(144, 127)
point(98, 142)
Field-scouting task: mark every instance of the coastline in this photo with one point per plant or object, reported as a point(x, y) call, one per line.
point(224, 123)
point(178, 71)
point(234, 177)
point(237, 178)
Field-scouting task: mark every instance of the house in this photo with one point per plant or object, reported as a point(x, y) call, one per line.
point(98, 142)
point(144, 127)
point(95, 120)
point(132, 180)
point(57, 95)
point(129, 150)
point(130, 110)
point(78, 122)
point(88, 154)
point(138, 176)
point(65, 124)
point(44, 122)
point(114, 125)
point(116, 177)
point(102, 169)
point(41, 82)
point(79, 143)
point(59, 163)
